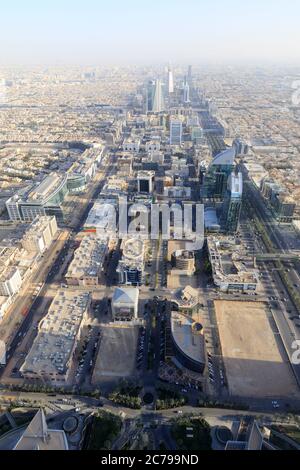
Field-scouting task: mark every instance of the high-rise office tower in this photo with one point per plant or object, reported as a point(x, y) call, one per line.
point(241, 146)
point(189, 75)
point(170, 81)
point(186, 91)
point(175, 131)
point(149, 95)
point(233, 202)
point(218, 171)
point(158, 100)
point(155, 98)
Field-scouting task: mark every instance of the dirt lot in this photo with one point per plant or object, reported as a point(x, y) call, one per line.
point(117, 354)
point(255, 362)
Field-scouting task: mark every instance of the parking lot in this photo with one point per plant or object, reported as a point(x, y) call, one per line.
point(116, 356)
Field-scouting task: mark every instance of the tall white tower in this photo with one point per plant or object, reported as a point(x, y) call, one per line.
point(158, 101)
point(170, 81)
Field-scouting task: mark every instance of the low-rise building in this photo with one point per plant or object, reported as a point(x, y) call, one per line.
point(188, 341)
point(131, 265)
point(232, 267)
point(124, 303)
point(177, 192)
point(153, 146)
point(87, 264)
point(187, 300)
point(183, 261)
point(131, 145)
point(51, 356)
point(145, 180)
point(102, 218)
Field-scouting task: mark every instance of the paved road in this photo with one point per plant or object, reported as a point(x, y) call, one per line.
point(289, 332)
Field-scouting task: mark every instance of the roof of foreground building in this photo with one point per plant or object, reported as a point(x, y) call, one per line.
point(125, 295)
point(37, 436)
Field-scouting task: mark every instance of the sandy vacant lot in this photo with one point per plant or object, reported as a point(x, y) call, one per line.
point(254, 359)
point(117, 353)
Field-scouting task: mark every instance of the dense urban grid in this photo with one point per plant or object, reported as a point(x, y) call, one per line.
point(124, 323)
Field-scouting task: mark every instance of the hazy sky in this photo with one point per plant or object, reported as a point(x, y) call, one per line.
point(148, 31)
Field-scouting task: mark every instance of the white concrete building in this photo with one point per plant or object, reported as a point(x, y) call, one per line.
point(152, 146)
point(124, 303)
point(131, 145)
point(10, 281)
point(40, 235)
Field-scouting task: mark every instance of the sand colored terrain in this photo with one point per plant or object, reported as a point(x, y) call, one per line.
point(255, 361)
point(117, 353)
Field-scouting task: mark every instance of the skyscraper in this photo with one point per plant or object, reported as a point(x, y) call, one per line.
point(175, 131)
point(170, 81)
point(218, 171)
point(158, 100)
point(186, 91)
point(233, 202)
point(189, 75)
point(150, 95)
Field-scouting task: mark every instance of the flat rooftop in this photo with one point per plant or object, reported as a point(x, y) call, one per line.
point(102, 216)
point(187, 297)
point(46, 187)
point(133, 248)
point(88, 258)
point(230, 261)
point(188, 336)
point(57, 332)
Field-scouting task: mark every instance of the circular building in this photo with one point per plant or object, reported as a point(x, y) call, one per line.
point(188, 342)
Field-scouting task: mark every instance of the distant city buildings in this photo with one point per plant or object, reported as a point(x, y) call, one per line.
point(170, 81)
point(175, 132)
point(154, 97)
point(186, 91)
point(145, 181)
